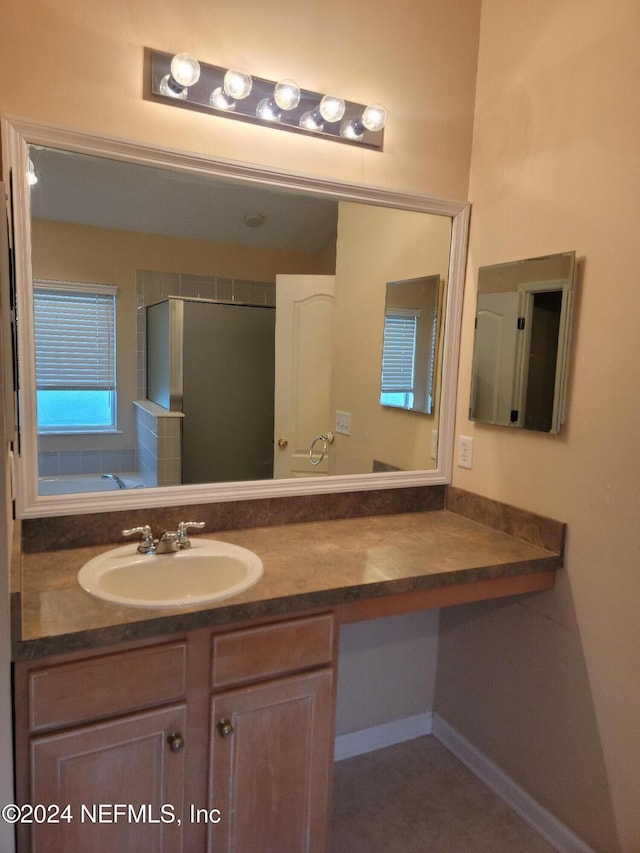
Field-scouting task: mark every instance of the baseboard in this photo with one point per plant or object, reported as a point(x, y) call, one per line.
point(377, 737)
point(555, 833)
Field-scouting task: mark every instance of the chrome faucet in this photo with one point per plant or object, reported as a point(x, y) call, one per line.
point(169, 542)
point(114, 477)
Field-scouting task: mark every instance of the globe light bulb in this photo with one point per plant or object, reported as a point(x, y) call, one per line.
point(221, 101)
point(184, 72)
point(170, 89)
point(286, 94)
point(312, 120)
point(268, 110)
point(374, 117)
point(331, 108)
point(353, 129)
point(237, 84)
point(185, 69)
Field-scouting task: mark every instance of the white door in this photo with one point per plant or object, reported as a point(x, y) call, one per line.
point(492, 388)
point(304, 309)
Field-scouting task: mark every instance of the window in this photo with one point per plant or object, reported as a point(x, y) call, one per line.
point(399, 357)
point(75, 338)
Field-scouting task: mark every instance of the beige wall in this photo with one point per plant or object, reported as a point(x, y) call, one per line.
point(549, 686)
point(377, 245)
point(79, 65)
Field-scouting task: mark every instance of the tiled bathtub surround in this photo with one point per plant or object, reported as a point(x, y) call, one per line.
point(158, 434)
point(55, 463)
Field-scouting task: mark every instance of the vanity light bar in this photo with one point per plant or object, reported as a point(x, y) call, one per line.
point(182, 81)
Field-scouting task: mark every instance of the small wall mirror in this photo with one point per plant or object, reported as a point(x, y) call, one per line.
point(410, 344)
point(521, 341)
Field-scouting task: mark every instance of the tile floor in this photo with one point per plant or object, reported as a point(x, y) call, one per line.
point(416, 797)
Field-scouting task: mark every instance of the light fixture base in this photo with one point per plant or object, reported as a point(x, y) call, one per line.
point(198, 97)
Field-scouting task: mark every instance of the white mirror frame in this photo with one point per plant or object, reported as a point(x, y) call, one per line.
point(18, 134)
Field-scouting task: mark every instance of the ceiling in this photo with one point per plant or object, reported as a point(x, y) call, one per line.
point(114, 194)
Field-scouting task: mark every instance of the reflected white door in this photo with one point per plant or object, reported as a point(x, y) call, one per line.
point(492, 391)
point(304, 311)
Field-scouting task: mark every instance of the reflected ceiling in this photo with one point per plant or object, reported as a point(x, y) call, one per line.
point(174, 203)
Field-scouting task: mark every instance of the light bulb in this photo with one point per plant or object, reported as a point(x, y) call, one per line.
point(32, 177)
point(171, 89)
point(312, 120)
point(353, 129)
point(286, 94)
point(268, 110)
point(185, 69)
point(221, 101)
point(331, 108)
point(374, 117)
point(237, 84)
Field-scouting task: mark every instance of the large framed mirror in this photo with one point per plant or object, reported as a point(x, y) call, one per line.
point(521, 342)
point(97, 219)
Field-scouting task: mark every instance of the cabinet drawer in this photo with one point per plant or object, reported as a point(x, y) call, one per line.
point(106, 685)
point(271, 650)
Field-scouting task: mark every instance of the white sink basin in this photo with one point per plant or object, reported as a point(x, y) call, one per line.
point(208, 571)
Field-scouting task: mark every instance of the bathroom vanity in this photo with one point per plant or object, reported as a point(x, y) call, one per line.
point(216, 741)
point(212, 728)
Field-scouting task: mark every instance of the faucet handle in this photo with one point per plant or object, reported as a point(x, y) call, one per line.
point(146, 545)
point(183, 542)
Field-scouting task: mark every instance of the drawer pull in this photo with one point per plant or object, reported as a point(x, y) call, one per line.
point(225, 728)
point(176, 742)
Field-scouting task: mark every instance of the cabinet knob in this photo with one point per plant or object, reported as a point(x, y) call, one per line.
point(176, 742)
point(225, 728)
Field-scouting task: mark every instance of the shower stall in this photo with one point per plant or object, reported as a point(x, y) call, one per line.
point(214, 363)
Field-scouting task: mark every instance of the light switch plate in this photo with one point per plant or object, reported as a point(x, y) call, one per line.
point(465, 451)
point(343, 423)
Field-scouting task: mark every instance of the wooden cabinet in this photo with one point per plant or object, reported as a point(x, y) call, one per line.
point(116, 778)
point(213, 741)
point(271, 749)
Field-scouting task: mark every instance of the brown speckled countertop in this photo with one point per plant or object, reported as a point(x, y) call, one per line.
point(308, 565)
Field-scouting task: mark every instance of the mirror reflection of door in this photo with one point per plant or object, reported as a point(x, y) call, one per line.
point(492, 386)
point(304, 309)
point(541, 312)
point(521, 342)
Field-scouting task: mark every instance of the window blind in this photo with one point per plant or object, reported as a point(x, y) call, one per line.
point(399, 351)
point(75, 336)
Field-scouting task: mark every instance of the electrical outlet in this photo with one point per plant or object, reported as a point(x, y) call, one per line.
point(465, 451)
point(343, 423)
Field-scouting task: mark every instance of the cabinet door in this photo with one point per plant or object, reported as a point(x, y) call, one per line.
point(271, 759)
point(116, 777)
